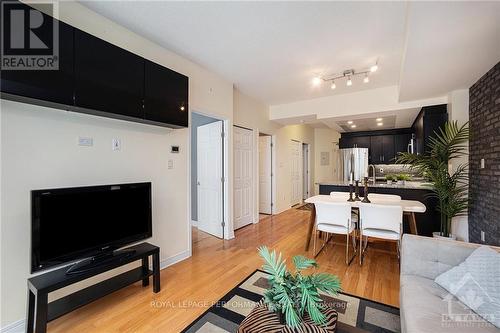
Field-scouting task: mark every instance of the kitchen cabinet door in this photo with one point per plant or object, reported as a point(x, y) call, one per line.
point(388, 149)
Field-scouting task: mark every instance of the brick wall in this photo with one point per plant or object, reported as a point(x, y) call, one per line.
point(484, 184)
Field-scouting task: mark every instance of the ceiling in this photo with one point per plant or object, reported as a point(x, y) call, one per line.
point(272, 50)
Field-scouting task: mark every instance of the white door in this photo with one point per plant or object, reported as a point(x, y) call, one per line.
point(265, 177)
point(305, 171)
point(243, 176)
point(210, 173)
point(296, 175)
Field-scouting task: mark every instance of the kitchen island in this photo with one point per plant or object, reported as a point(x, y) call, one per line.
point(420, 191)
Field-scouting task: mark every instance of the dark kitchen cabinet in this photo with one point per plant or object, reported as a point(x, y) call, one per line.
point(107, 78)
point(166, 95)
point(429, 121)
point(388, 155)
point(382, 149)
point(55, 86)
point(356, 141)
point(401, 142)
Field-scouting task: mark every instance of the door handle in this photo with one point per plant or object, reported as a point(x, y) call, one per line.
point(198, 183)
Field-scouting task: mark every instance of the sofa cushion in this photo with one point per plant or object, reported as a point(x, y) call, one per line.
point(428, 308)
point(476, 283)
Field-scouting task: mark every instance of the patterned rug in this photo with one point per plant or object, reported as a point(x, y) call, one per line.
point(307, 206)
point(355, 315)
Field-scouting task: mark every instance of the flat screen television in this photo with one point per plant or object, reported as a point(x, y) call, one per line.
point(81, 222)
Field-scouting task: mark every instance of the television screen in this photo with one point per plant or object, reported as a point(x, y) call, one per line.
point(73, 223)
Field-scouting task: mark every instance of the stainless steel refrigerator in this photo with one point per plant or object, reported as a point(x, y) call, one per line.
point(353, 160)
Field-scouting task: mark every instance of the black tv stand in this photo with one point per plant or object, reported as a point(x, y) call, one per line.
point(98, 260)
point(40, 312)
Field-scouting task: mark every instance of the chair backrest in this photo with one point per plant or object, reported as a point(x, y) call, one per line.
point(384, 217)
point(335, 213)
point(344, 195)
point(385, 197)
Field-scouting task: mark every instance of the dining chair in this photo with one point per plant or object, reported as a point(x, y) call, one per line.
point(381, 222)
point(345, 195)
point(335, 218)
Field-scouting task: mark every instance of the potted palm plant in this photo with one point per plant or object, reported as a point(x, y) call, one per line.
point(293, 295)
point(449, 186)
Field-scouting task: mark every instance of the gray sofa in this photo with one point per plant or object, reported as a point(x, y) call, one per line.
point(424, 305)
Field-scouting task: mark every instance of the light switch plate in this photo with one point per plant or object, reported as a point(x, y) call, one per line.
point(116, 144)
point(170, 164)
point(85, 141)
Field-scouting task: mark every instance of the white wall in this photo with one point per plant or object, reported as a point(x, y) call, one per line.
point(39, 149)
point(458, 109)
point(325, 140)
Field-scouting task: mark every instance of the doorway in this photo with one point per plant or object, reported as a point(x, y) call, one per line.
point(295, 169)
point(306, 185)
point(265, 175)
point(207, 177)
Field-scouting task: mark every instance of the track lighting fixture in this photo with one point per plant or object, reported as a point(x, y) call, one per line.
point(348, 74)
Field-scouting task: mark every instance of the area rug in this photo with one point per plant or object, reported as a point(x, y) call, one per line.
point(355, 314)
point(307, 206)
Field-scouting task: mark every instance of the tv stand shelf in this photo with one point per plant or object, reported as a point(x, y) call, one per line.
point(39, 286)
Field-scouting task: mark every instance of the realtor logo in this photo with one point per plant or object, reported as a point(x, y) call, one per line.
point(29, 37)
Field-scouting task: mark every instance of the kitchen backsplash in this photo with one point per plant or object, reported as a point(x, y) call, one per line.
point(382, 170)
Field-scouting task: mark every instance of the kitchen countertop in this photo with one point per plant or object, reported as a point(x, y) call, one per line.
point(412, 185)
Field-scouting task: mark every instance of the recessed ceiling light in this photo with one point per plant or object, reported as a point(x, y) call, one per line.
point(366, 79)
point(349, 82)
point(333, 86)
point(353, 126)
point(316, 81)
point(374, 68)
point(350, 122)
point(380, 124)
point(379, 119)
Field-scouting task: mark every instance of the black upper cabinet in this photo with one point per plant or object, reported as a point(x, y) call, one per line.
point(401, 142)
point(54, 86)
point(355, 142)
point(107, 78)
point(166, 95)
point(388, 149)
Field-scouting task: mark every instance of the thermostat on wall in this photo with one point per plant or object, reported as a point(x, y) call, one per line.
point(175, 149)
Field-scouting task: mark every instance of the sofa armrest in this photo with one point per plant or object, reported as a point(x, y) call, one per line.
point(429, 257)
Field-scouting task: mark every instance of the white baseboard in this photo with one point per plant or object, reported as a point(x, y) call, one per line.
point(15, 327)
point(194, 223)
point(19, 325)
point(174, 259)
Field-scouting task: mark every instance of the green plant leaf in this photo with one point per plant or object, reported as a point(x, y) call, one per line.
point(302, 262)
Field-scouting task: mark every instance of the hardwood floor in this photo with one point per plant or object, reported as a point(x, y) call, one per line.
point(216, 266)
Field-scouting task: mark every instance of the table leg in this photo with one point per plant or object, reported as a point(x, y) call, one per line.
point(413, 224)
point(41, 313)
point(145, 269)
point(156, 272)
point(312, 220)
point(31, 311)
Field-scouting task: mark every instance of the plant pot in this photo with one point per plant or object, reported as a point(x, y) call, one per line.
point(261, 319)
point(389, 182)
point(401, 182)
point(437, 234)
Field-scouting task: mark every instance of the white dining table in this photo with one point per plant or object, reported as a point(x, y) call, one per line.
point(410, 207)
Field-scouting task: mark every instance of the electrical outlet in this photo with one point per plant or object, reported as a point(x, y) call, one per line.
point(85, 141)
point(116, 144)
point(170, 164)
point(482, 163)
point(483, 238)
